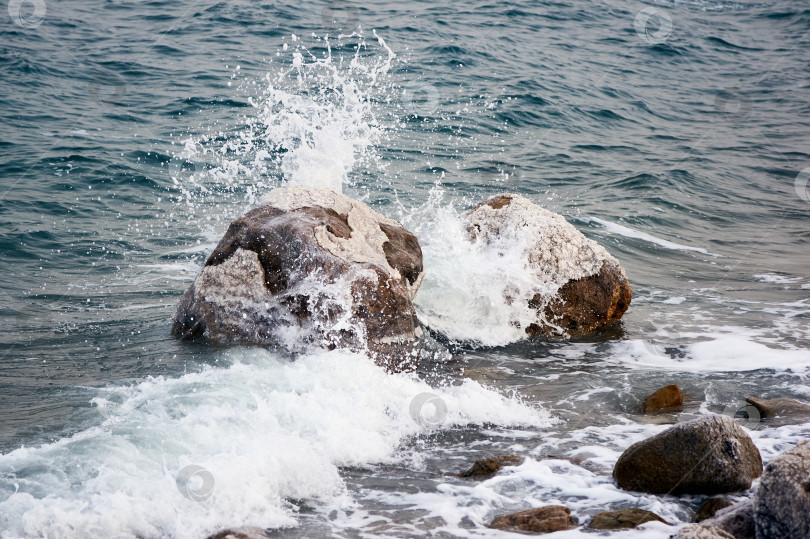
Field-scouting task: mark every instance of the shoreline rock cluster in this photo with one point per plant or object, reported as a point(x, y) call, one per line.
point(315, 267)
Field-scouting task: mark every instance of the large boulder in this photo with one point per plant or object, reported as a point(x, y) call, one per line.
point(551, 518)
point(580, 287)
point(782, 504)
point(709, 455)
point(310, 266)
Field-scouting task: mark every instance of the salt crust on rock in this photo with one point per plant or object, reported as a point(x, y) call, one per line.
point(559, 252)
point(365, 246)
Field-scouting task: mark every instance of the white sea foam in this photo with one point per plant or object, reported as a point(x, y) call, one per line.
point(627, 232)
point(735, 351)
point(479, 290)
point(266, 429)
point(776, 278)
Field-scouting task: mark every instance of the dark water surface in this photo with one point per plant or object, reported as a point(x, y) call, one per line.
point(675, 133)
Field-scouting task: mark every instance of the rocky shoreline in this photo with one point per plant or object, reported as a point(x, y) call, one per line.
point(312, 267)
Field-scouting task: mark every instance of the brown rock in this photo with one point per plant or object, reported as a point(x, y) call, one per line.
point(709, 455)
point(245, 532)
point(782, 503)
point(787, 410)
point(666, 397)
point(312, 266)
point(623, 518)
point(710, 507)
point(695, 531)
point(551, 518)
point(592, 289)
point(485, 468)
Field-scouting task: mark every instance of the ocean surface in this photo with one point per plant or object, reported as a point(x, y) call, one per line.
point(675, 133)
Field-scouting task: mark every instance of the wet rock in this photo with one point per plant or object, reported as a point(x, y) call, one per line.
point(582, 287)
point(623, 518)
point(551, 518)
point(782, 504)
point(710, 507)
point(240, 533)
point(786, 411)
point(486, 468)
point(311, 266)
point(709, 455)
point(666, 397)
point(696, 531)
point(737, 520)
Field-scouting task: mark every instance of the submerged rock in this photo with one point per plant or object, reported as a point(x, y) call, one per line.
point(709, 455)
point(782, 504)
point(311, 266)
point(551, 518)
point(666, 397)
point(699, 531)
point(737, 520)
point(787, 411)
point(579, 288)
point(245, 532)
point(485, 468)
point(710, 507)
point(623, 518)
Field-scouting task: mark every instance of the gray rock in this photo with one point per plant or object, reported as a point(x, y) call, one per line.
point(310, 266)
point(709, 455)
point(738, 520)
point(699, 531)
point(782, 504)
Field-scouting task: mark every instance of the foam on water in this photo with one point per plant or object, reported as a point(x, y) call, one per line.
point(268, 430)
